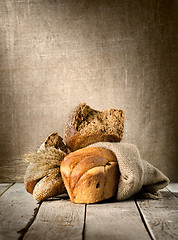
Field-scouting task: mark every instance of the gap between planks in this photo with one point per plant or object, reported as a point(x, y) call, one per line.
point(173, 187)
point(111, 220)
point(24, 230)
point(83, 216)
point(58, 218)
point(145, 222)
point(16, 208)
point(4, 187)
point(84, 223)
point(114, 220)
point(160, 216)
point(145, 219)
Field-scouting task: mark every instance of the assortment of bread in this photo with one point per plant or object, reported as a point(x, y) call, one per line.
point(91, 165)
point(43, 178)
point(88, 175)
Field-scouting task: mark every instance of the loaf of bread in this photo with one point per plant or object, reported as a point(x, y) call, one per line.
point(43, 178)
point(90, 175)
point(54, 141)
point(86, 126)
point(49, 186)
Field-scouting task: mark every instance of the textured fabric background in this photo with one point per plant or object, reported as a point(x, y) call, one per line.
point(110, 54)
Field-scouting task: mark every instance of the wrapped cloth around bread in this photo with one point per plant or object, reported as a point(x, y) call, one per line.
point(137, 175)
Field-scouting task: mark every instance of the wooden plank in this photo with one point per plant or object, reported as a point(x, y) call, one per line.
point(16, 211)
point(4, 187)
point(58, 219)
point(118, 220)
point(161, 216)
point(173, 187)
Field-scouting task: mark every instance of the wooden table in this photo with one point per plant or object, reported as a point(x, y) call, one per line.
point(21, 217)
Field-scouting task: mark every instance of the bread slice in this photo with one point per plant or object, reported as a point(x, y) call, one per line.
point(86, 126)
point(90, 175)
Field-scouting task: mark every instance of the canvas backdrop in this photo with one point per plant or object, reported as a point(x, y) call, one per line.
point(109, 54)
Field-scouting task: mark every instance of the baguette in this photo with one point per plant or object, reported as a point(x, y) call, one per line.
point(42, 177)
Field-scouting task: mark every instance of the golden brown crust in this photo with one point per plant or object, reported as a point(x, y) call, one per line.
point(30, 184)
point(42, 177)
point(49, 186)
point(86, 126)
point(90, 174)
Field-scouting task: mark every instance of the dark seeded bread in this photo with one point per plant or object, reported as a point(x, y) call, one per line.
point(53, 141)
point(86, 126)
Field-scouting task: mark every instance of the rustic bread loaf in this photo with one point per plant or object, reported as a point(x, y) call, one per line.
point(86, 126)
point(90, 174)
point(49, 186)
point(54, 141)
point(42, 177)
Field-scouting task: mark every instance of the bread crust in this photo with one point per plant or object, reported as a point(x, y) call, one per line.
point(54, 140)
point(49, 186)
point(42, 177)
point(90, 174)
point(74, 136)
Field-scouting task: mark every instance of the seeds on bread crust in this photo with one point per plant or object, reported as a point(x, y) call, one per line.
point(86, 126)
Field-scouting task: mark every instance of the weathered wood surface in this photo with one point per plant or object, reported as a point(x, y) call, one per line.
point(119, 220)
point(16, 212)
point(173, 187)
point(4, 187)
point(21, 217)
point(58, 219)
point(161, 216)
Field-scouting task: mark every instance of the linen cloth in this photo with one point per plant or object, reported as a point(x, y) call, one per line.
point(137, 175)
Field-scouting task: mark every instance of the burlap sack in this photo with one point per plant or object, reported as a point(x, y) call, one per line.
point(137, 175)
